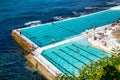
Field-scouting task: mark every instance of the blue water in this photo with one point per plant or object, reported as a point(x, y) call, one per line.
point(42, 35)
point(14, 13)
point(67, 60)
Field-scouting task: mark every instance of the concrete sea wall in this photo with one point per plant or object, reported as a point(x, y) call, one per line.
point(27, 46)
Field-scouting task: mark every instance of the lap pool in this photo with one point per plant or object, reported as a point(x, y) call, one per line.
point(67, 60)
point(42, 35)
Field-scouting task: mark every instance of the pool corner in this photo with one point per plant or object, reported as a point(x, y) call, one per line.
point(27, 46)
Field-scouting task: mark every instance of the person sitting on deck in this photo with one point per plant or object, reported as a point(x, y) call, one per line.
point(105, 28)
point(53, 40)
point(113, 24)
point(95, 38)
point(105, 44)
point(33, 47)
point(117, 21)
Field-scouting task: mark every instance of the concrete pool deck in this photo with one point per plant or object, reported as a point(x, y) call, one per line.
point(42, 64)
point(35, 57)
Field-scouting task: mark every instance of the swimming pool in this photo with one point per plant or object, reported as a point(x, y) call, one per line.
point(68, 60)
point(42, 35)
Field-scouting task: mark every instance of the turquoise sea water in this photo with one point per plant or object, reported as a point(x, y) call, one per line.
point(42, 35)
point(67, 60)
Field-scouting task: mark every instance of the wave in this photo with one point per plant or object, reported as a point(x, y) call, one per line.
point(32, 23)
point(59, 18)
point(113, 2)
point(88, 7)
point(81, 13)
point(76, 13)
point(96, 8)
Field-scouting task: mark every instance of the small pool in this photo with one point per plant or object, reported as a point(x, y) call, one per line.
point(73, 55)
point(42, 35)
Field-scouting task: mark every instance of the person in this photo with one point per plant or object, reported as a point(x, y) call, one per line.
point(105, 28)
point(77, 50)
point(94, 37)
point(53, 40)
point(105, 44)
point(20, 33)
point(33, 47)
point(113, 24)
point(118, 20)
point(94, 27)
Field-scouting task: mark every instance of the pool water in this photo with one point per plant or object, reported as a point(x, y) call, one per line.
point(73, 55)
point(42, 35)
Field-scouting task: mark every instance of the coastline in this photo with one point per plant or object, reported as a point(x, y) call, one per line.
point(51, 72)
point(31, 58)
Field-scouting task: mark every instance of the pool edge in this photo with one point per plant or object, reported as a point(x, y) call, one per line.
point(26, 46)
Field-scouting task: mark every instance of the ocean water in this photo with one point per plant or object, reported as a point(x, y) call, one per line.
point(14, 13)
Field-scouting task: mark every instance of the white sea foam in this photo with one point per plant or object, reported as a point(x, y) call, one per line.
point(59, 18)
point(37, 22)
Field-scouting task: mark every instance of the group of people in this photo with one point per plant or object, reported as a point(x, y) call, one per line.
point(115, 23)
point(101, 36)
